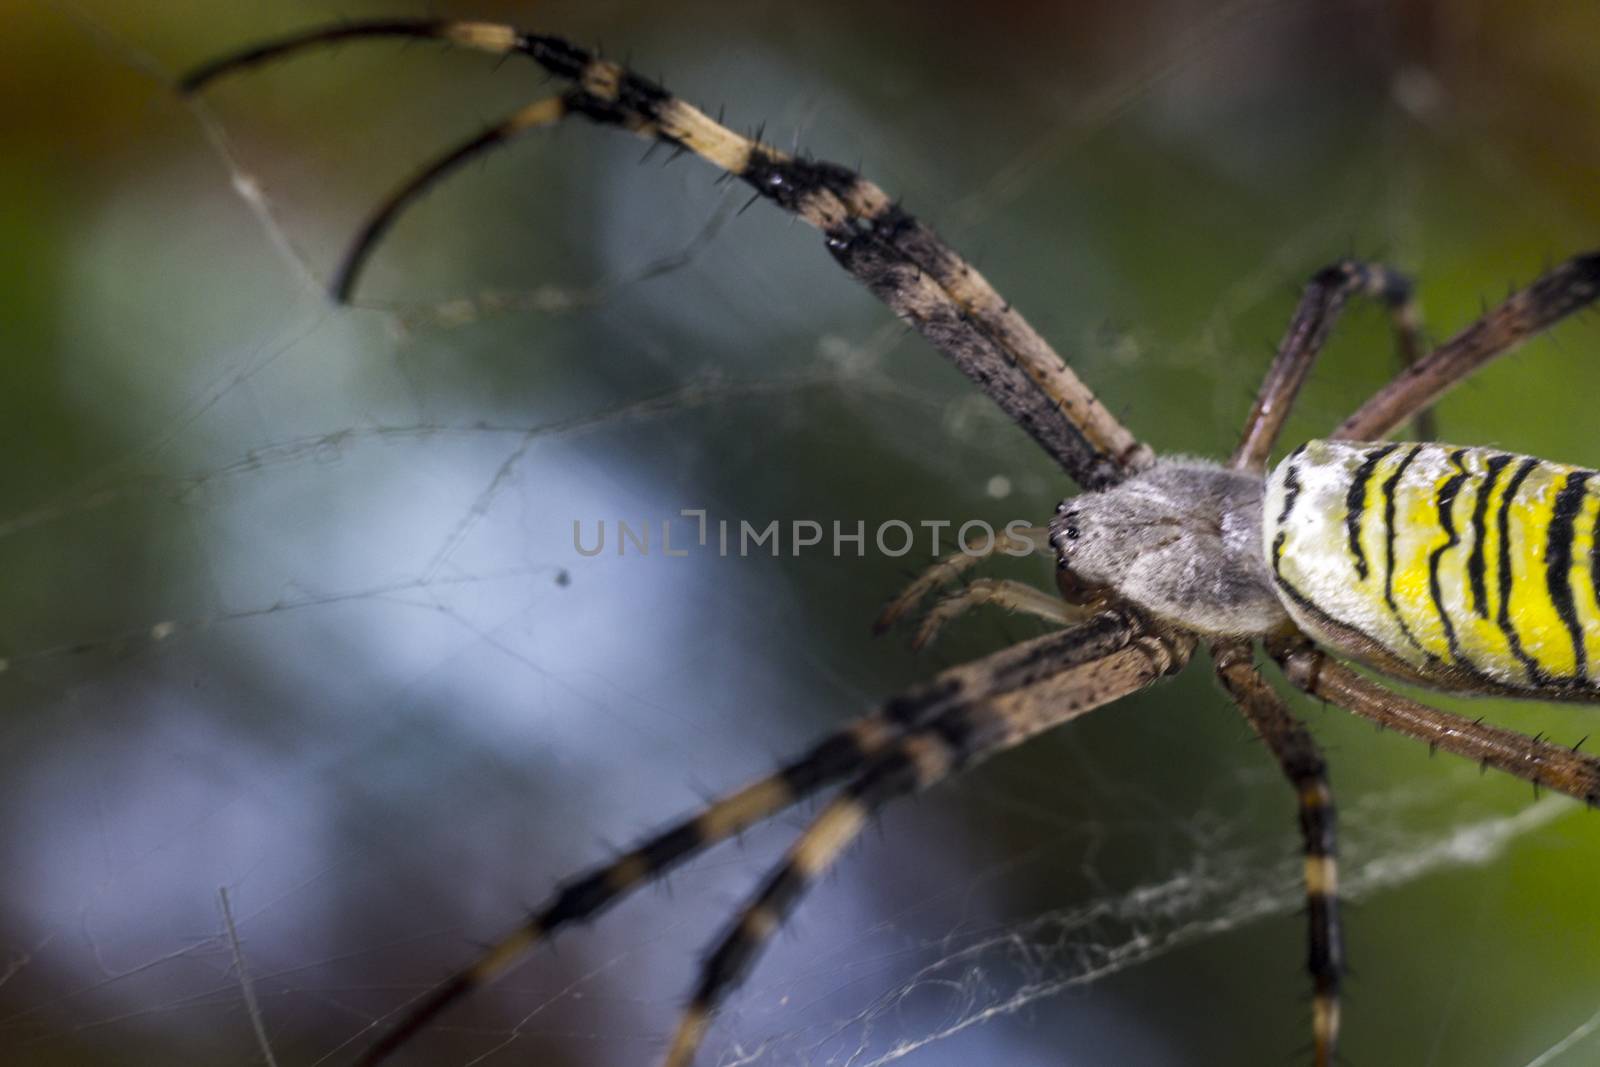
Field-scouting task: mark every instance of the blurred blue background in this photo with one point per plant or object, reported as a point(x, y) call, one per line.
point(292, 608)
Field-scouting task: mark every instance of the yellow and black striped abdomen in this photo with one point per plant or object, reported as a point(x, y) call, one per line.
point(1467, 568)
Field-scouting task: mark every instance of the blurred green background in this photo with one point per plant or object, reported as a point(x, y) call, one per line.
point(292, 608)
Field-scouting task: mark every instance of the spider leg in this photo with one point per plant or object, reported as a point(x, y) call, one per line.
point(898, 258)
point(587, 895)
point(486, 36)
point(1302, 763)
point(1320, 305)
point(546, 111)
point(953, 566)
point(1568, 288)
point(1013, 596)
point(957, 739)
point(1098, 640)
point(1543, 763)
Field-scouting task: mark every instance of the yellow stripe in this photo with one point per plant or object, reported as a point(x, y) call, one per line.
point(487, 36)
point(1315, 796)
point(628, 871)
point(1544, 636)
point(1418, 534)
point(691, 1028)
point(758, 923)
point(755, 801)
point(1455, 586)
point(696, 131)
point(1317, 562)
point(1322, 876)
point(601, 79)
point(545, 112)
point(834, 829)
point(1412, 534)
point(503, 954)
point(1584, 596)
point(1481, 638)
point(1325, 1028)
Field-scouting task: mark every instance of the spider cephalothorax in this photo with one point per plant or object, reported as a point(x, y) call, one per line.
point(1455, 568)
point(1182, 540)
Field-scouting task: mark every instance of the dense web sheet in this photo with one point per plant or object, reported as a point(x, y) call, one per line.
point(308, 691)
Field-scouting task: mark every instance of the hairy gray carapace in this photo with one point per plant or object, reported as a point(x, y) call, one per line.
point(1192, 577)
point(1181, 540)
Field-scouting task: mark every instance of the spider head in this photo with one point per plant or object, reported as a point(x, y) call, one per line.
point(1181, 540)
point(1090, 554)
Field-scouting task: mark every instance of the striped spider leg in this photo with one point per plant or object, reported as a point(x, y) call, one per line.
point(1324, 298)
point(895, 256)
point(1290, 742)
point(932, 288)
point(951, 743)
point(1178, 557)
point(957, 718)
point(1568, 288)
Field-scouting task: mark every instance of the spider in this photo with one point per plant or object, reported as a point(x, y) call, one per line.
point(1462, 569)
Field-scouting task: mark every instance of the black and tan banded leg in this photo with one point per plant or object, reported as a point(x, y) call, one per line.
point(957, 739)
point(1324, 298)
point(1570, 287)
point(1545, 764)
point(1021, 666)
point(1302, 763)
point(587, 895)
point(899, 259)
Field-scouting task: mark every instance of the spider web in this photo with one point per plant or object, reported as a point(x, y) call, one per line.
point(308, 691)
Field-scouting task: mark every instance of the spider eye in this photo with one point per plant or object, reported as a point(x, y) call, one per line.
point(1066, 529)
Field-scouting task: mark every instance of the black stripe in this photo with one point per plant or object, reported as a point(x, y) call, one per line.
point(1389, 486)
point(560, 57)
point(1480, 533)
point(1536, 674)
point(1291, 493)
point(738, 949)
point(666, 849)
point(1355, 503)
point(1447, 520)
point(1319, 827)
point(1291, 484)
point(1311, 607)
point(787, 182)
point(1558, 565)
point(582, 898)
point(832, 759)
point(892, 774)
point(1326, 962)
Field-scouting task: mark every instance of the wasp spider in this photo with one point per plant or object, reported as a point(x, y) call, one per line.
point(1464, 569)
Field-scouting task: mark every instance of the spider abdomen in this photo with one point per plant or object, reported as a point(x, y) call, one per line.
point(1465, 568)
